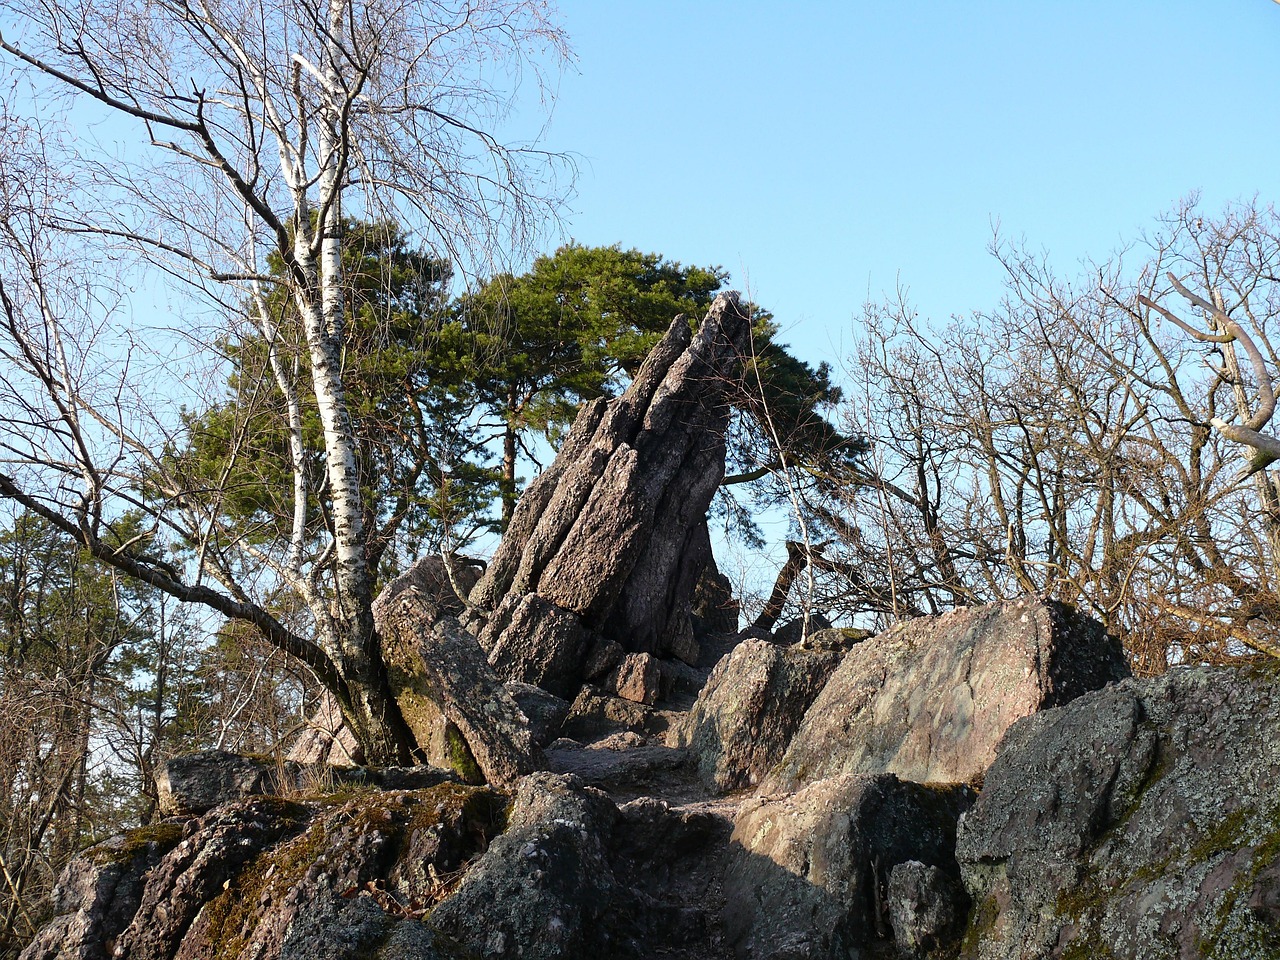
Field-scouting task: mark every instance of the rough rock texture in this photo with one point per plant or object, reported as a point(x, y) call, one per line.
point(714, 609)
point(612, 535)
point(270, 878)
point(930, 699)
point(926, 907)
point(450, 696)
point(636, 678)
point(793, 631)
point(201, 781)
point(752, 703)
point(98, 895)
point(544, 886)
point(546, 712)
point(808, 875)
point(326, 739)
point(1141, 821)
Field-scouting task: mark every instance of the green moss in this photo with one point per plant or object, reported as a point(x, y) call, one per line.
point(123, 849)
point(461, 760)
point(981, 922)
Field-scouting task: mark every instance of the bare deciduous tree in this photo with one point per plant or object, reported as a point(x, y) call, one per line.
point(252, 131)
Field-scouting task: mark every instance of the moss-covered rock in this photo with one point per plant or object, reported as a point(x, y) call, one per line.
point(1140, 821)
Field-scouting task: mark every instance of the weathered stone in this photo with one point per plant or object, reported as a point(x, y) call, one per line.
point(277, 880)
point(326, 739)
point(595, 714)
point(1142, 819)
point(835, 638)
point(546, 712)
point(544, 887)
point(604, 656)
point(197, 782)
point(445, 587)
point(807, 876)
point(637, 678)
point(613, 533)
point(752, 703)
point(637, 768)
point(714, 609)
point(531, 640)
point(795, 631)
point(927, 907)
point(930, 699)
point(453, 701)
point(98, 894)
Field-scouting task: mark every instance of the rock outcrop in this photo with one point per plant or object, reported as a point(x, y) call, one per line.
point(198, 782)
point(451, 698)
point(930, 699)
point(609, 542)
point(1141, 821)
point(808, 872)
point(752, 703)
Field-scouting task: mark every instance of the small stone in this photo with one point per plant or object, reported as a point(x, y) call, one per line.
point(637, 678)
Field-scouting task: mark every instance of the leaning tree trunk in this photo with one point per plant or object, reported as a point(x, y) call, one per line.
point(606, 546)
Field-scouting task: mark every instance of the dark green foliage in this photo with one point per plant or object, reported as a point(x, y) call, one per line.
point(575, 327)
point(408, 370)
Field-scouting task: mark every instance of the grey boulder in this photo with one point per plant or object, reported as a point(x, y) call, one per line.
point(930, 699)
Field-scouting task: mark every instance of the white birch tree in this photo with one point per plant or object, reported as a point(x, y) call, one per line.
point(256, 127)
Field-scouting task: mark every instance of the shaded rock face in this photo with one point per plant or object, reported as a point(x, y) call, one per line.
point(543, 888)
point(201, 781)
point(610, 540)
point(271, 878)
point(98, 895)
point(930, 699)
point(1141, 821)
point(749, 709)
point(808, 873)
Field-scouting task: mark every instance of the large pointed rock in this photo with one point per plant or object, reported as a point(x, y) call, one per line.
point(608, 543)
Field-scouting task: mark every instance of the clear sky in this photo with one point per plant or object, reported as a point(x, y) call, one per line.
point(823, 152)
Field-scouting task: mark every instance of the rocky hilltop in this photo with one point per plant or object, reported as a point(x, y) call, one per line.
point(812, 801)
point(615, 771)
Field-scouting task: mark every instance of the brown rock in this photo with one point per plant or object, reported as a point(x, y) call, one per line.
point(808, 871)
point(637, 678)
point(197, 782)
point(612, 536)
point(326, 739)
point(452, 691)
point(930, 699)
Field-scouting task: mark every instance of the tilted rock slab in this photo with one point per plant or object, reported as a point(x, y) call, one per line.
point(1141, 821)
point(446, 689)
point(930, 699)
point(750, 707)
point(609, 540)
point(808, 870)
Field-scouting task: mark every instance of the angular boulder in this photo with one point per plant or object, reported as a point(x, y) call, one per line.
point(610, 540)
point(745, 716)
point(98, 895)
point(277, 880)
point(808, 873)
point(544, 887)
point(197, 782)
point(1140, 821)
point(930, 699)
point(452, 700)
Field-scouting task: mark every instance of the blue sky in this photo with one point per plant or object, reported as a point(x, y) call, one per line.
point(825, 152)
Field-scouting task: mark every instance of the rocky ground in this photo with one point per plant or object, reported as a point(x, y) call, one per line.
point(1137, 819)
